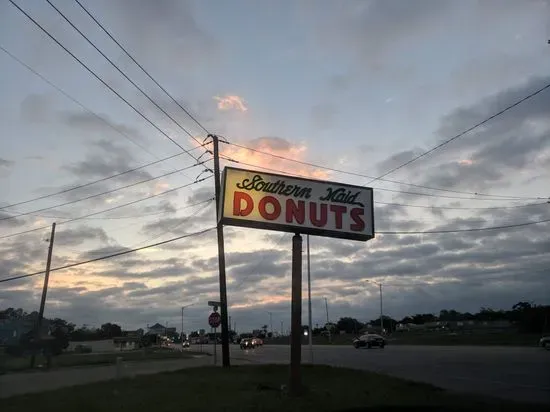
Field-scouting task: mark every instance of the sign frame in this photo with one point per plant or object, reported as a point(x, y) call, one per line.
point(291, 228)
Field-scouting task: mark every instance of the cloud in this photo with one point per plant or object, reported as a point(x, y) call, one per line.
point(5, 167)
point(231, 102)
point(277, 146)
point(77, 236)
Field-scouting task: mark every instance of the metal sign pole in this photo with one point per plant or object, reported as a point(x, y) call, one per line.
point(215, 353)
point(296, 317)
point(310, 328)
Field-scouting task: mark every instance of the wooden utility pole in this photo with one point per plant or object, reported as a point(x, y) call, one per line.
point(310, 326)
point(296, 317)
point(221, 255)
point(44, 293)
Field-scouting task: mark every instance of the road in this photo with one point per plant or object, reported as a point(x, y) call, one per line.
point(514, 373)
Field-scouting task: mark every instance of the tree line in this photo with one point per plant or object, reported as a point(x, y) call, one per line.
point(61, 327)
point(525, 316)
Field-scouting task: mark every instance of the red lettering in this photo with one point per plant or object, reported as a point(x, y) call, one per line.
point(359, 224)
point(295, 211)
point(338, 212)
point(276, 208)
point(315, 221)
point(238, 197)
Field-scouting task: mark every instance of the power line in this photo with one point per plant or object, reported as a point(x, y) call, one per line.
point(351, 173)
point(477, 229)
point(378, 188)
point(105, 217)
point(108, 210)
point(184, 220)
point(142, 68)
point(121, 72)
point(99, 78)
point(106, 192)
point(92, 182)
point(462, 208)
point(107, 256)
point(68, 96)
point(517, 103)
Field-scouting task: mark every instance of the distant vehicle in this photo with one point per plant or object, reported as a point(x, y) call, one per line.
point(545, 342)
point(247, 343)
point(369, 341)
point(185, 344)
point(257, 342)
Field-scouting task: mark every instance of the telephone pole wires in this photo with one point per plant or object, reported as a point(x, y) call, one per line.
point(44, 292)
point(221, 254)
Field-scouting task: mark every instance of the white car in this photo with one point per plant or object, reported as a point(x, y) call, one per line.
point(185, 344)
point(545, 342)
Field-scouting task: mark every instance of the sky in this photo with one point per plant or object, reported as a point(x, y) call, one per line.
point(358, 86)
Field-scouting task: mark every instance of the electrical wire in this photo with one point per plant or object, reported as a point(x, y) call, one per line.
point(71, 98)
point(121, 72)
point(92, 182)
point(477, 229)
point(106, 217)
point(378, 188)
point(106, 192)
point(108, 210)
point(462, 208)
point(351, 173)
point(99, 78)
point(142, 68)
point(459, 135)
point(184, 220)
point(107, 256)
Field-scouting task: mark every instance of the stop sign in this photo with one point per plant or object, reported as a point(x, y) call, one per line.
point(214, 319)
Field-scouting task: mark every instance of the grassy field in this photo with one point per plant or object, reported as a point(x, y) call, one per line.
point(13, 364)
point(255, 388)
point(431, 338)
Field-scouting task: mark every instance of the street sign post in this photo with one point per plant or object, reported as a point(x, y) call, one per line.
point(214, 321)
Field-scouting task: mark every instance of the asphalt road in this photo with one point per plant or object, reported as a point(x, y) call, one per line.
point(514, 373)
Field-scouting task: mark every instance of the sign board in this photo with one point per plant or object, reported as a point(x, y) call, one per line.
point(215, 304)
point(214, 319)
point(291, 204)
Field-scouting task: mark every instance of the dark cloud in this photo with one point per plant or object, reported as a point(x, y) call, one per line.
point(77, 236)
point(36, 108)
point(5, 167)
point(323, 116)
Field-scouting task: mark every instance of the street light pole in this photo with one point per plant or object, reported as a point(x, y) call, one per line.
point(182, 308)
point(381, 305)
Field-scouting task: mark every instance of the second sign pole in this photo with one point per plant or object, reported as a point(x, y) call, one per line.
point(296, 317)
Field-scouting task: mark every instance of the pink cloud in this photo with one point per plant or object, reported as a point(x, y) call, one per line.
point(229, 102)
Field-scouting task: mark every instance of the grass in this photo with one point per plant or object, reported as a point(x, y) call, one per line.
point(255, 388)
point(14, 364)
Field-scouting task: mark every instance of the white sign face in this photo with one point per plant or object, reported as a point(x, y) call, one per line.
point(291, 204)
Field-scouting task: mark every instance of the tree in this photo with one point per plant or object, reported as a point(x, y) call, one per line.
point(349, 325)
point(110, 330)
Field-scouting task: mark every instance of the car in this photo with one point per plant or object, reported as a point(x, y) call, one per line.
point(247, 344)
point(185, 344)
point(544, 342)
point(257, 341)
point(368, 341)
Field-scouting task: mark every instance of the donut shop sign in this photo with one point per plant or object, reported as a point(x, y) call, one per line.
point(291, 204)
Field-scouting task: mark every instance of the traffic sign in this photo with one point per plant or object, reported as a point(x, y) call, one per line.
point(214, 319)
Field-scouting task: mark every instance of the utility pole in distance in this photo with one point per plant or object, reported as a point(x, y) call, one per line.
point(328, 326)
point(221, 255)
point(381, 306)
point(44, 292)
